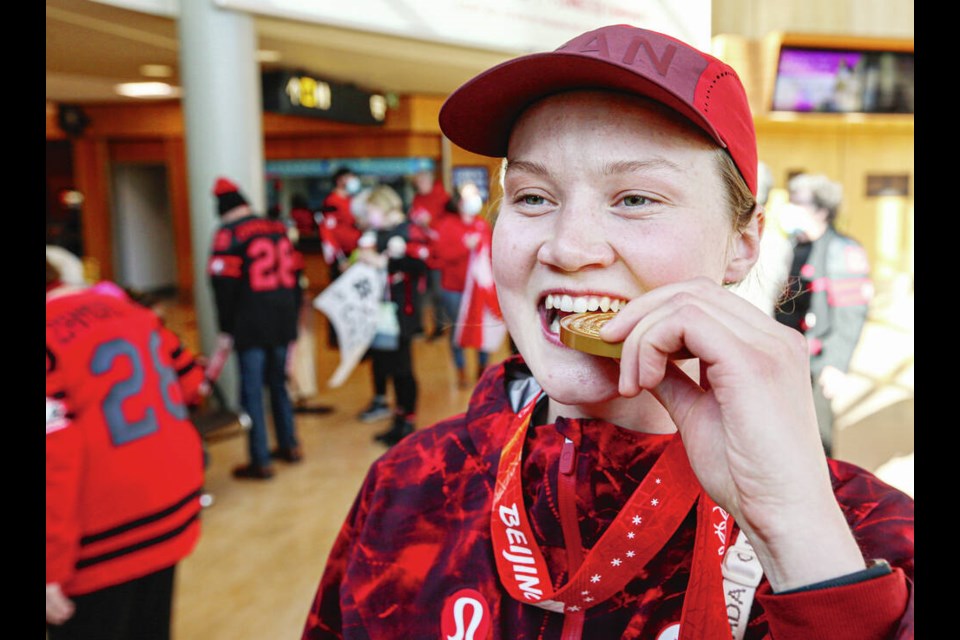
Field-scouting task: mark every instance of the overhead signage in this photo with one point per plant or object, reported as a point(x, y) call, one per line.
point(299, 93)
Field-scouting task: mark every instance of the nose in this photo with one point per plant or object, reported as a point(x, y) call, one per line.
point(576, 241)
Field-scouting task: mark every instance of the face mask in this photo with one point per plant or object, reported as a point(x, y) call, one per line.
point(791, 219)
point(353, 185)
point(471, 205)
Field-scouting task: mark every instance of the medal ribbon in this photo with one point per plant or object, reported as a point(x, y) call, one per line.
point(644, 525)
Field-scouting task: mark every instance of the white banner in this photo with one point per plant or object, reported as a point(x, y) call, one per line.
point(351, 302)
point(512, 26)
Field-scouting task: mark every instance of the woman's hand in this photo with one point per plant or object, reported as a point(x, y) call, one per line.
point(749, 425)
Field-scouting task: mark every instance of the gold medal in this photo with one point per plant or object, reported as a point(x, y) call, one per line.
point(581, 331)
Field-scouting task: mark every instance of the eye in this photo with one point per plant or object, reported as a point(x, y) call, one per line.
point(530, 199)
point(636, 200)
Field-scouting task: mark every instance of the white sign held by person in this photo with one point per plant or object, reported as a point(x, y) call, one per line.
point(351, 302)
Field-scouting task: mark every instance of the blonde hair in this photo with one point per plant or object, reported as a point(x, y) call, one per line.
point(740, 200)
point(384, 197)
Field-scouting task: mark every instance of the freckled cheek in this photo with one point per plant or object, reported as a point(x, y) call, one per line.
point(508, 257)
point(512, 263)
point(670, 258)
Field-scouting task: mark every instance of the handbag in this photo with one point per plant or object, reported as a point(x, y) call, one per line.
point(387, 336)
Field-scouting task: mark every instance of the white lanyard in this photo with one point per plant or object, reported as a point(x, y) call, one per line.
point(741, 575)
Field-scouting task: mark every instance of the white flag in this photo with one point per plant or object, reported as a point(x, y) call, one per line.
point(351, 302)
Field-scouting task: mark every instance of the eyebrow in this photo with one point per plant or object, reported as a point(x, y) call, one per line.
point(631, 166)
point(611, 168)
point(526, 166)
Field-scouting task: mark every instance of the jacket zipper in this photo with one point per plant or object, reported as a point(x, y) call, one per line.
point(567, 499)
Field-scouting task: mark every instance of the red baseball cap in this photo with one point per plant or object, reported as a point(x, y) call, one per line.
point(480, 114)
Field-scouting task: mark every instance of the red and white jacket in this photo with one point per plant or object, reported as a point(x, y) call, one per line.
point(434, 575)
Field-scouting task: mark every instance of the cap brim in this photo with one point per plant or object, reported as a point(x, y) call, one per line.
point(480, 115)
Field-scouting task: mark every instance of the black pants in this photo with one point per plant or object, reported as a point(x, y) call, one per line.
point(136, 610)
point(397, 366)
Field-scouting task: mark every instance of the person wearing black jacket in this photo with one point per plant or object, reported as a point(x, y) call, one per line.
point(255, 273)
point(385, 246)
point(828, 290)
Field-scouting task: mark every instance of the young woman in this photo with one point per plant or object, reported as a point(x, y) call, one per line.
point(678, 491)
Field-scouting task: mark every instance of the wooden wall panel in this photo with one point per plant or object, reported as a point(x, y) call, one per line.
point(351, 146)
point(175, 156)
point(756, 18)
point(148, 121)
point(91, 171)
point(136, 151)
point(849, 149)
point(882, 223)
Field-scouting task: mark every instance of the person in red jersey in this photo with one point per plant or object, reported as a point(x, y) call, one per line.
point(427, 210)
point(679, 490)
point(461, 237)
point(341, 230)
point(124, 464)
point(255, 273)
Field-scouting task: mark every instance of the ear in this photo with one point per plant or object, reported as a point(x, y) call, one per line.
point(745, 247)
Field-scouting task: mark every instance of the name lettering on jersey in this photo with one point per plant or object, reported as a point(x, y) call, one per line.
point(65, 327)
point(465, 616)
point(520, 556)
point(258, 227)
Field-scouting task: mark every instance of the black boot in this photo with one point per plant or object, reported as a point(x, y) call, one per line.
point(399, 429)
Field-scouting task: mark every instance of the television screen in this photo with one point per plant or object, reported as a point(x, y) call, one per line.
point(843, 81)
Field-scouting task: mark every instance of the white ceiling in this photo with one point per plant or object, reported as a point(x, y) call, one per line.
point(91, 46)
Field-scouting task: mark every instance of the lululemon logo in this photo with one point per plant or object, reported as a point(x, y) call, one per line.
point(671, 632)
point(466, 616)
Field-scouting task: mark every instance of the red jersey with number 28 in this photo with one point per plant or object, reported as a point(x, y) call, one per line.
point(124, 463)
point(254, 270)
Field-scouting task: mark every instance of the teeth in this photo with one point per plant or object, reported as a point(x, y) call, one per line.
point(580, 304)
point(555, 325)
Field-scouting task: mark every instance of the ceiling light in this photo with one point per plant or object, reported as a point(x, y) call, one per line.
point(156, 70)
point(146, 90)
